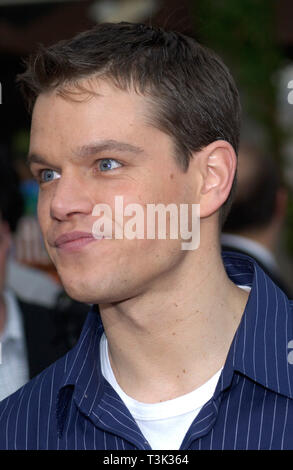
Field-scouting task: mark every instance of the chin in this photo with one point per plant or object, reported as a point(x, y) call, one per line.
point(86, 292)
point(100, 286)
point(80, 295)
point(98, 294)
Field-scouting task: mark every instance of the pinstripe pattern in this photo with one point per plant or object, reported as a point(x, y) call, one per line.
point(71, 406)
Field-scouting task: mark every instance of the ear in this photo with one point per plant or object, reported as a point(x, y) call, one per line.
point(218, 163)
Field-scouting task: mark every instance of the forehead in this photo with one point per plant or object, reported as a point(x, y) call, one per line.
point(95, 107)
point(64, 122)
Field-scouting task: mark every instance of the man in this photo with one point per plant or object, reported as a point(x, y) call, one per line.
point(256, 220)
point(179, 356)
point(32, 336)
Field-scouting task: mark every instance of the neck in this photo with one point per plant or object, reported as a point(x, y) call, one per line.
point(172, 338)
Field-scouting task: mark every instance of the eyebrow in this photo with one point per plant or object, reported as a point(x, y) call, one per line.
point(92, 149)
point(101, 146)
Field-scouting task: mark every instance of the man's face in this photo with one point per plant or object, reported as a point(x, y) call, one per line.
point(87, 152)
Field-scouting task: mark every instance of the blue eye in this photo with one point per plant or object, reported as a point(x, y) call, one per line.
point(108, 164)
point(47, 175)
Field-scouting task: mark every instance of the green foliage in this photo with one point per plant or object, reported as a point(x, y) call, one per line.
point(243, 32)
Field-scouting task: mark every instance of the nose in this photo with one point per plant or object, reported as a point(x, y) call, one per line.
point(70, 197)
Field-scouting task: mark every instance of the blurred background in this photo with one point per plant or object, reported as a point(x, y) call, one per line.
point(255, 39)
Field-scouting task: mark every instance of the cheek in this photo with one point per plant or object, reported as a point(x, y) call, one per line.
point(170, 188)
point(43, 211)
point(159, 189)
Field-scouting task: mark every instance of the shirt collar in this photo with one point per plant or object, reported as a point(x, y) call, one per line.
point(259, 349)
point(252, 247)
point(83, 375)
point(260, 346)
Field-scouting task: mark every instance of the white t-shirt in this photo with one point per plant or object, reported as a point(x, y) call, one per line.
point(164, 424)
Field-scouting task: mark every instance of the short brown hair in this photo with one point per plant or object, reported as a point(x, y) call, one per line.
point(194, 96)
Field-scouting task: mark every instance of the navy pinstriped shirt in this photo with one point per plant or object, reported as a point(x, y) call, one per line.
point(71, 406)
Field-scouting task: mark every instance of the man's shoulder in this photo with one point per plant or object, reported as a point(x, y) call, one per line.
point(29, 410)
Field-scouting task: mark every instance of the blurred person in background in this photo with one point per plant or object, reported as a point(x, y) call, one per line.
point(32, 336)
point(256, 220)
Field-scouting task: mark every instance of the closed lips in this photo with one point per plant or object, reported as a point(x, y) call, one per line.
point(71, 236)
